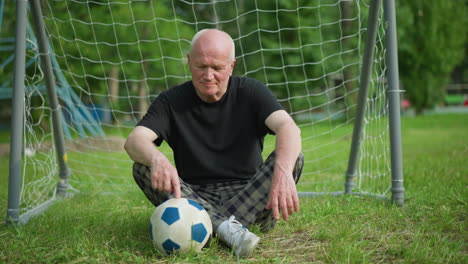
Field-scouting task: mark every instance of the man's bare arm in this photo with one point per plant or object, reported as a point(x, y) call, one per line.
point(141, 149)
point(283, 194)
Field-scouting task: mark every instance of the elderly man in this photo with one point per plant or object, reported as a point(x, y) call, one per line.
point(215, 124)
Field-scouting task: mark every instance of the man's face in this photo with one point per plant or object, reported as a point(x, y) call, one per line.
point(211, 66)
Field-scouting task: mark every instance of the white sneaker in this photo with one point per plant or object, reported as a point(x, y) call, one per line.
point(239, 238)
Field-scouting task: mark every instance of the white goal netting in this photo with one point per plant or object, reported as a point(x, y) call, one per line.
point(112, 58)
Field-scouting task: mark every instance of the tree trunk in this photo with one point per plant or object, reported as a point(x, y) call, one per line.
point(114, 85)
point(348, 84)
point(143, 103)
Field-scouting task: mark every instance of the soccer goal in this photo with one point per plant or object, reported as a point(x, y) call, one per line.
point(86, 71)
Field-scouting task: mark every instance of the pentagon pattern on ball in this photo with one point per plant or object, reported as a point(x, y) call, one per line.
point(199, 232)
point(170, 215)
point(170, 246)
point(196, 205)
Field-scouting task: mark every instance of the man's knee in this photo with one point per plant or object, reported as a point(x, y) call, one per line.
point(141, 175)
point(298, 167)
point(140, 170)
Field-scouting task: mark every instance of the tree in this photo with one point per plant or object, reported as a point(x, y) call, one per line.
point(431, 39)
point(296, 47)
point(118, 52)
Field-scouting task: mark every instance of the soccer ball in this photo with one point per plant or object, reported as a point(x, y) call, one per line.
point(180, 225)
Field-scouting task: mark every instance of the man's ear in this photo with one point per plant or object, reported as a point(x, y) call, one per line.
point(232, 66)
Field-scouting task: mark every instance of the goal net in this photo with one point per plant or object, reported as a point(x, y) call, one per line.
point(112, 58)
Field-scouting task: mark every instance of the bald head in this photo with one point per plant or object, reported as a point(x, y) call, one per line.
point(213, 38)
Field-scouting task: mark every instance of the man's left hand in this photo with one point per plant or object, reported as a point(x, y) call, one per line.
point(283, 196)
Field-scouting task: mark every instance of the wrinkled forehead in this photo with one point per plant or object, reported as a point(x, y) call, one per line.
point(211, 49)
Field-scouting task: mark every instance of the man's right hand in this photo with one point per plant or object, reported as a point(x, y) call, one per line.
point(164, 176)
point(141, 149)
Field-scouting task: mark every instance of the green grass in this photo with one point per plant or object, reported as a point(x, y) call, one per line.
point(430, 228)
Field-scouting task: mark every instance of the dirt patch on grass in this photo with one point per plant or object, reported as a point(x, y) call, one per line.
point(106, 144)
point(4, 149)
point(297, 247)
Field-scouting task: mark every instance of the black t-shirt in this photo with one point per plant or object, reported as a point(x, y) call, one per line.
point(213, 142)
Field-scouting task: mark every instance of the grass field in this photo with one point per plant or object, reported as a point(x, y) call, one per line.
point(431, 227)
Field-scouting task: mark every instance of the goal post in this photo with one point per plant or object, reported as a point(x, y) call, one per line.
point(394, 99)
point(94, 67)
point(55, 109)
point(394, 91)
point(362, 94)
point(13, 211)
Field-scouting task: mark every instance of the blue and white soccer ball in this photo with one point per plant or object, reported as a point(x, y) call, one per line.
point(180, 225)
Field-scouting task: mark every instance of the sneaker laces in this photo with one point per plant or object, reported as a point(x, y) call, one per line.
point(238, 237)
point(235, 229)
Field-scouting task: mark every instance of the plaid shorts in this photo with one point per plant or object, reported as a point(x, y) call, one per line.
point(246, 200)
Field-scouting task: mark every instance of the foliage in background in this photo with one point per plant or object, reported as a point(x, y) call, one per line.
point(300, 49)
point(129, 45)
point(432, 38)
point(133, 45)
point(431, 35)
